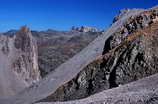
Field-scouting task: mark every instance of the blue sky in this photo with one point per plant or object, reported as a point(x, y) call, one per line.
point(63, 14)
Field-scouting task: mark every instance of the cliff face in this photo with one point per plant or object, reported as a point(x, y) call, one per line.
point(19, 62)
point(133, 24)
point(129, 54)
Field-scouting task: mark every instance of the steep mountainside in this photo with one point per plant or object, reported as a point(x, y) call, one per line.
point(19, 62)
point(56, 47)
point(133, 56)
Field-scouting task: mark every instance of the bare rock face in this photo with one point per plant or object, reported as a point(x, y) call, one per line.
point(133, 24)
point(84, 29)
point(28, 61)
point(132, 55)
point(19, 62)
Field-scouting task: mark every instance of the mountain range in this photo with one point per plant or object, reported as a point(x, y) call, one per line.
point(83, 65)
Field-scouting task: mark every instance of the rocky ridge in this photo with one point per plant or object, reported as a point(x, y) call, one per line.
point(129, 54)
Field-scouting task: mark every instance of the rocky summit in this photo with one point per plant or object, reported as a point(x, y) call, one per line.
point(115, 66)
point(84, 29)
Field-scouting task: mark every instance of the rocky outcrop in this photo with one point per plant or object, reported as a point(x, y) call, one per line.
point(84, 29)
point(132, 55)
point(19, 62)
point(133, 24)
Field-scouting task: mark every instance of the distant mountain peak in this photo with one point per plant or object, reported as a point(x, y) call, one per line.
point(84, 29)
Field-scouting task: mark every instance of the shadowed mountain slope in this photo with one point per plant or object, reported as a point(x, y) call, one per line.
point(144, 91)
